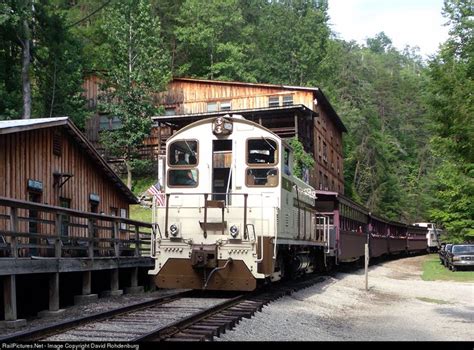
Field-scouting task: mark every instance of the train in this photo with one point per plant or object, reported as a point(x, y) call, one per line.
point(236, 216)
point(433, 235)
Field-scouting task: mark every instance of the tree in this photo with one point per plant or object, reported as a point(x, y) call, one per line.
point(41, 63)
point(213, 40)
point(137, 67)
point(452, 110)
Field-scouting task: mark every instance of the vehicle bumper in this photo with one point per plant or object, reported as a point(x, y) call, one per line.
point(179, 273)
point(463, 263)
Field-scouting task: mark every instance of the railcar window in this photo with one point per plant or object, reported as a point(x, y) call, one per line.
point(262, 151)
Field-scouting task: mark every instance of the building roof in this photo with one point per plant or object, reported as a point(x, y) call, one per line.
point(20, 125)
point(320, 97)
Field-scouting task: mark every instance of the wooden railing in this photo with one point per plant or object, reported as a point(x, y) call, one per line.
point(34, 229)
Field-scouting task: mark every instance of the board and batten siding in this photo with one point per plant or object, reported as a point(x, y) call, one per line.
point(194, 96)
point(29, 155)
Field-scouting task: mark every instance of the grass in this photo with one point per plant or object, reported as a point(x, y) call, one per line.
point(433, 301)
point(137, 212)
point(434, 271)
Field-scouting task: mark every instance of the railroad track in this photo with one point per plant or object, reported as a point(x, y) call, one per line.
point(44, 332)
point(184, 316)
point(210, 323)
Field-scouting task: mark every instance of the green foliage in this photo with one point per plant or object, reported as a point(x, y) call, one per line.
point(452, 110)
point(137, 67)
point(141, 167)
point(212, 40)
point(56, 69)
point(301, 159)
point(141, 183)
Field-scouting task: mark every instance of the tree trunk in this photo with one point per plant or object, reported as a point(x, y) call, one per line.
point(129, 174)
point(25, 72)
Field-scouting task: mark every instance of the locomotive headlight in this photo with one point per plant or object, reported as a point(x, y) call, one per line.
point(234, 231)
point(174, 230)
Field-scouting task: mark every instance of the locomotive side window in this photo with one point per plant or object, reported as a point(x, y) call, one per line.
point(262, 156)
point(182, 160)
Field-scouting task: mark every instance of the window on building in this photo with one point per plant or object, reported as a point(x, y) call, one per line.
point(325, 152)
point(170, 111)
point(326, 182)
point(123, 215)
point(274, 101)
point(338, 166)
point(225, 106)
point(287, 100)
point(109, 123)
point(212, 107)
point(57, 146)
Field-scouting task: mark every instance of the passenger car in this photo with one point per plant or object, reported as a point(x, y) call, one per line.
point(461, 255)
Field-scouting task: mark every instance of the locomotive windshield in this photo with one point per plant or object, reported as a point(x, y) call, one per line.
point(262, 157)
point(183, 159)
point(262, 151)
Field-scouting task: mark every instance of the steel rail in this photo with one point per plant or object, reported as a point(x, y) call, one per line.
point(175, 327)
point(49, 330)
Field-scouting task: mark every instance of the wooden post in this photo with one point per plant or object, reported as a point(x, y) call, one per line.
point(14, 229)
point(115, 227)
point(137, 240)
point(134, 277)
point(57, 244)
point(86, 282)
point(9, 297)
point(114, 280)
point(54, 292)
point(90, 231)
point(366, 267)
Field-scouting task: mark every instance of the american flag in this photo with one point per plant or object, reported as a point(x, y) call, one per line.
point(155, 191)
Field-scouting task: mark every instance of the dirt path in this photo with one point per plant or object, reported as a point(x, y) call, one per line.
point(398, 306)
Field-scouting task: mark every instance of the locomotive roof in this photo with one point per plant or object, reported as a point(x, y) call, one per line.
point(234, 120)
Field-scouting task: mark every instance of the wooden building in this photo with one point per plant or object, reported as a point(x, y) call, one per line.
point(289, 111)
point(62, 210)
point(49, 161)
point(286, 110)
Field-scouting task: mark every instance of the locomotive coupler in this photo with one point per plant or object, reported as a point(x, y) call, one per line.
point(204, 256)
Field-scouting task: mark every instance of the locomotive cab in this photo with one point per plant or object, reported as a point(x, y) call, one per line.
point(222, 198)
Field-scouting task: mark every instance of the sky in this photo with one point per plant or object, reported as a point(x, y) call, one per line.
point(405, 22)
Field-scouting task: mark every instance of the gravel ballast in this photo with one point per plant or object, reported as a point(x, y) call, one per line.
point(399, 306)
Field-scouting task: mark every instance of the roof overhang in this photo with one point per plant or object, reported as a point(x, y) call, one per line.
point(182, 120)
